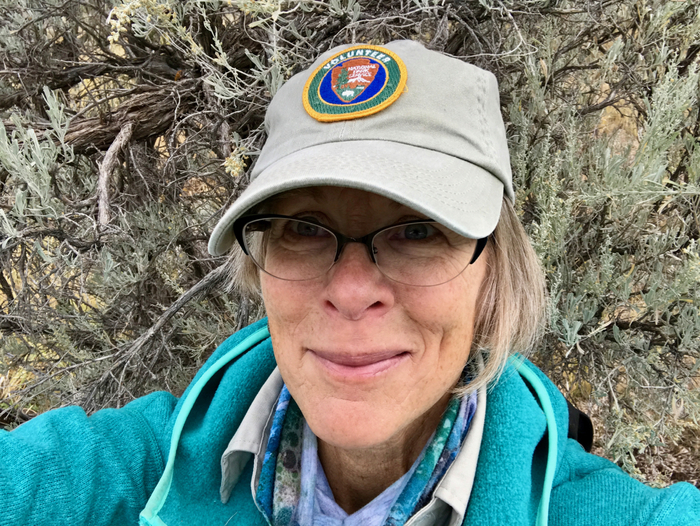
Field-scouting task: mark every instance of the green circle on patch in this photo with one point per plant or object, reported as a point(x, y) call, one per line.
point(358, 81)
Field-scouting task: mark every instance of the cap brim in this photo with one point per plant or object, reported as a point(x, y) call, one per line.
point(456, 193)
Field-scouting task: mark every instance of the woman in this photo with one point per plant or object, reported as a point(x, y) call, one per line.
point(397, 280)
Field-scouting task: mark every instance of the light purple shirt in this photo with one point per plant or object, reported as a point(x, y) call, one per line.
point(322, 510)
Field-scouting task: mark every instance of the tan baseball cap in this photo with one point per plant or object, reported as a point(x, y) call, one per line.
point(399, 120)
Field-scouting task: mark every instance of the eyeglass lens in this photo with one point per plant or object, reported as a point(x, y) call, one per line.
point(421, 254)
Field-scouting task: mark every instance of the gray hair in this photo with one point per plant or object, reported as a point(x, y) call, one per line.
point(511, 303)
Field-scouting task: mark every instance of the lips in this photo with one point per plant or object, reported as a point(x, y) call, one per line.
point(358, 365)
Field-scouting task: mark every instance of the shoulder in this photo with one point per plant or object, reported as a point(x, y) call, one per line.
point(226, 385)
point(594, 491)
point(590, 490)
point(207, 417)
point(586, 489)
point(251, 342)
point(241, 363)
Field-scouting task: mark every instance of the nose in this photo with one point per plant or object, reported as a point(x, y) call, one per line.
point(355, 288)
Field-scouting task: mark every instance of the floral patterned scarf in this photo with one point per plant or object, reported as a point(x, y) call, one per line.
point(280, 487)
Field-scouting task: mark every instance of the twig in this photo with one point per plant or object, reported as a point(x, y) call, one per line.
point(204, 285)
point(109, 163)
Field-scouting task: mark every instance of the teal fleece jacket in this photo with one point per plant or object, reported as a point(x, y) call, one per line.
point(65, 468)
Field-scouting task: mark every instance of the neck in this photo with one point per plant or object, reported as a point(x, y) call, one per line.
point(357, 476)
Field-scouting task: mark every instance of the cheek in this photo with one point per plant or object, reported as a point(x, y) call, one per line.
point(443, 310)
point(284, 310)
point(448, 314)
point(286, 304)
point(445, 318)
point(289, 309)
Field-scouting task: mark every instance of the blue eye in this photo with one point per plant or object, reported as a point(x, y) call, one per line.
point(417, 232)
point(306, 229)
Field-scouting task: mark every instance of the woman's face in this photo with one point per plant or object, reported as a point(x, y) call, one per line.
point(366, 358)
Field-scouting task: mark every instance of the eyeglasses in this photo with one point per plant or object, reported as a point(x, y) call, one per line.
point(420, 253)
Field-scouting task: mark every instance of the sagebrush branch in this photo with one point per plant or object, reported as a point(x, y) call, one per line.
point(108, 165)
point(208, 282)
point(152, 113)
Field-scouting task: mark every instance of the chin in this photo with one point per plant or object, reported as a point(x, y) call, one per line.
point(350, 425)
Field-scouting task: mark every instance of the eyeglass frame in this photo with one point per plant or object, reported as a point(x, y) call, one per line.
point(342, 240)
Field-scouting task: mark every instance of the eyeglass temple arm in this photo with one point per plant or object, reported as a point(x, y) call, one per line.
point(480, 246)
point(242, 221)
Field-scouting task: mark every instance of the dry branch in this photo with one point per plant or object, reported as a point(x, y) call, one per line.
point(207, 283)
point(109, 163)
point(152, 112)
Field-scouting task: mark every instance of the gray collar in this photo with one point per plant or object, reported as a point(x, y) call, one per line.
point(451, 496)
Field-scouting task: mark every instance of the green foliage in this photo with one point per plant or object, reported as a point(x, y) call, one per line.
point(601, 104)
point(613, 215)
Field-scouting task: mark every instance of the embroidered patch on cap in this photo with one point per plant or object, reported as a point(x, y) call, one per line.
point(356, 82)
